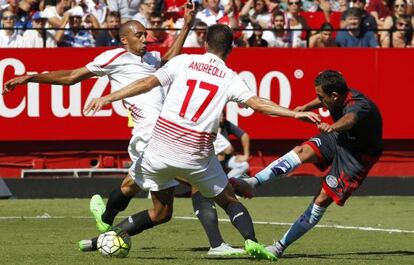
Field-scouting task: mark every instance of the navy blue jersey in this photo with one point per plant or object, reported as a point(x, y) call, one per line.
point(366, 135)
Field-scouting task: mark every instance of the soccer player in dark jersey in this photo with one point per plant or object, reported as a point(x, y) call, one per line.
point(350, 147)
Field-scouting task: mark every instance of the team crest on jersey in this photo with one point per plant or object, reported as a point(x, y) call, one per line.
point(331, 181)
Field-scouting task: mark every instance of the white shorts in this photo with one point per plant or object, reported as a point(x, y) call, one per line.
point(139, 141)
point(154, 174)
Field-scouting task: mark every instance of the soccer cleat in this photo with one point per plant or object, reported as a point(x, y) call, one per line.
point(225, 250)
point(277, 249)
point(258, 251)
point(85, 245)
point(242, 187)
point(97, 208)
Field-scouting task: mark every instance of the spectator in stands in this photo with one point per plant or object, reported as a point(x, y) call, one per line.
point(231, 15)
point(99, 10)
point(76, 35)
point(234, 165)
point(173, 9)
point(324, 38)
point(368, 21)
point(35, 38)
point(160, 37)
point(110, 37)
point(256, 39)
point(23, 13)
point(211, 13)
point(12, 6)
point(355, 36)
point(197, 38)
point(402, 34)
point(145, 9)
point(277, 36)
point(257, 12)
point(55, 14)
point(126, 8)
point(294, 22)
point(399, 10)
point(9, 38)
point(380, 9)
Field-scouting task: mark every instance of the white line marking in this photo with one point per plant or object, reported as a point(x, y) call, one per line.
point(362, 228)
point(320, 226)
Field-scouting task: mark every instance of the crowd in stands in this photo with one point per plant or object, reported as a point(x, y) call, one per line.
point(256, 23)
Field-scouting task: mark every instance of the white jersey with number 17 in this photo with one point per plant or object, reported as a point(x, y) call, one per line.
point(199, 88)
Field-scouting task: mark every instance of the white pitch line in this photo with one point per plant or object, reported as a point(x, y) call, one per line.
point(361, 228)
point(320, 226)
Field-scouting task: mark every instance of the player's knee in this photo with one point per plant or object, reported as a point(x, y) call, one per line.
point(305, 153)
point(128, 187)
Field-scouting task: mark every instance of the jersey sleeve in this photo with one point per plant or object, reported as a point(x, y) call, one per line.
point(239, 91)
point(102, 64)
point(171, 69)
point(234, 130)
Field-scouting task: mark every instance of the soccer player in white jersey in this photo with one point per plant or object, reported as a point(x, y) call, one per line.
point(182, 141)
point(123, 66)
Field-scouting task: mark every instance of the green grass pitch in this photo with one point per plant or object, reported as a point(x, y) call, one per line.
point(27, 239)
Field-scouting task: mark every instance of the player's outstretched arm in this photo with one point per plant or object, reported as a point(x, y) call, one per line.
point(314, 104)
point(345, 123)
point(63, 77)
point(175, 49)
point(268, 107)
point(135, 88)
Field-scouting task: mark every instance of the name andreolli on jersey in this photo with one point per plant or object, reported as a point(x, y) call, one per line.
point(208, 69)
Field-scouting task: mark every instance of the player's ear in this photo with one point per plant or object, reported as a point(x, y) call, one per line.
point(334, 95)
point(124, 41)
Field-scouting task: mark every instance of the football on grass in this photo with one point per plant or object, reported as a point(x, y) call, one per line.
point(114, 243)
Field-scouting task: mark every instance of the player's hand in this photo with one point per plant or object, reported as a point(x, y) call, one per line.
point(324, 127)
point(300, 108)
point(308, 116)
point(95, 105)
point(189, 13)
point(12, 83)
point(241, 158)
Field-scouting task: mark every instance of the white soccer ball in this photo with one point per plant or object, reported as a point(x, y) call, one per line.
point(114, 244)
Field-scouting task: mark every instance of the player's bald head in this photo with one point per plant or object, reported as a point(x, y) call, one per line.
point(131, 26)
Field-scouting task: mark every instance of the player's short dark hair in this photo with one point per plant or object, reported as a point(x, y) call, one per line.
point(331, 81)
point(219, 39)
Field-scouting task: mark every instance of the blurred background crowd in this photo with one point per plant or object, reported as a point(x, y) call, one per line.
point(256, 23)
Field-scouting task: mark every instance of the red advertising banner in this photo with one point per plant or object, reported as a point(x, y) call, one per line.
point(52, 112)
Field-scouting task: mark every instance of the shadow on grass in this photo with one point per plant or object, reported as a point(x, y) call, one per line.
point(348, 255)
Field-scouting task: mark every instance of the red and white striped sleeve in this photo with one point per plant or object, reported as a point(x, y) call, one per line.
point(103, 64)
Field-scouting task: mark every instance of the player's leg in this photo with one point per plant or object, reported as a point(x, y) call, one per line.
point(236, 168)
point(241, 219)
point(318, 150)
point(281, 167)
point(205, 210)
point(118, 201)
point(120, 197)
point(160, 213)
point(312, 215)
